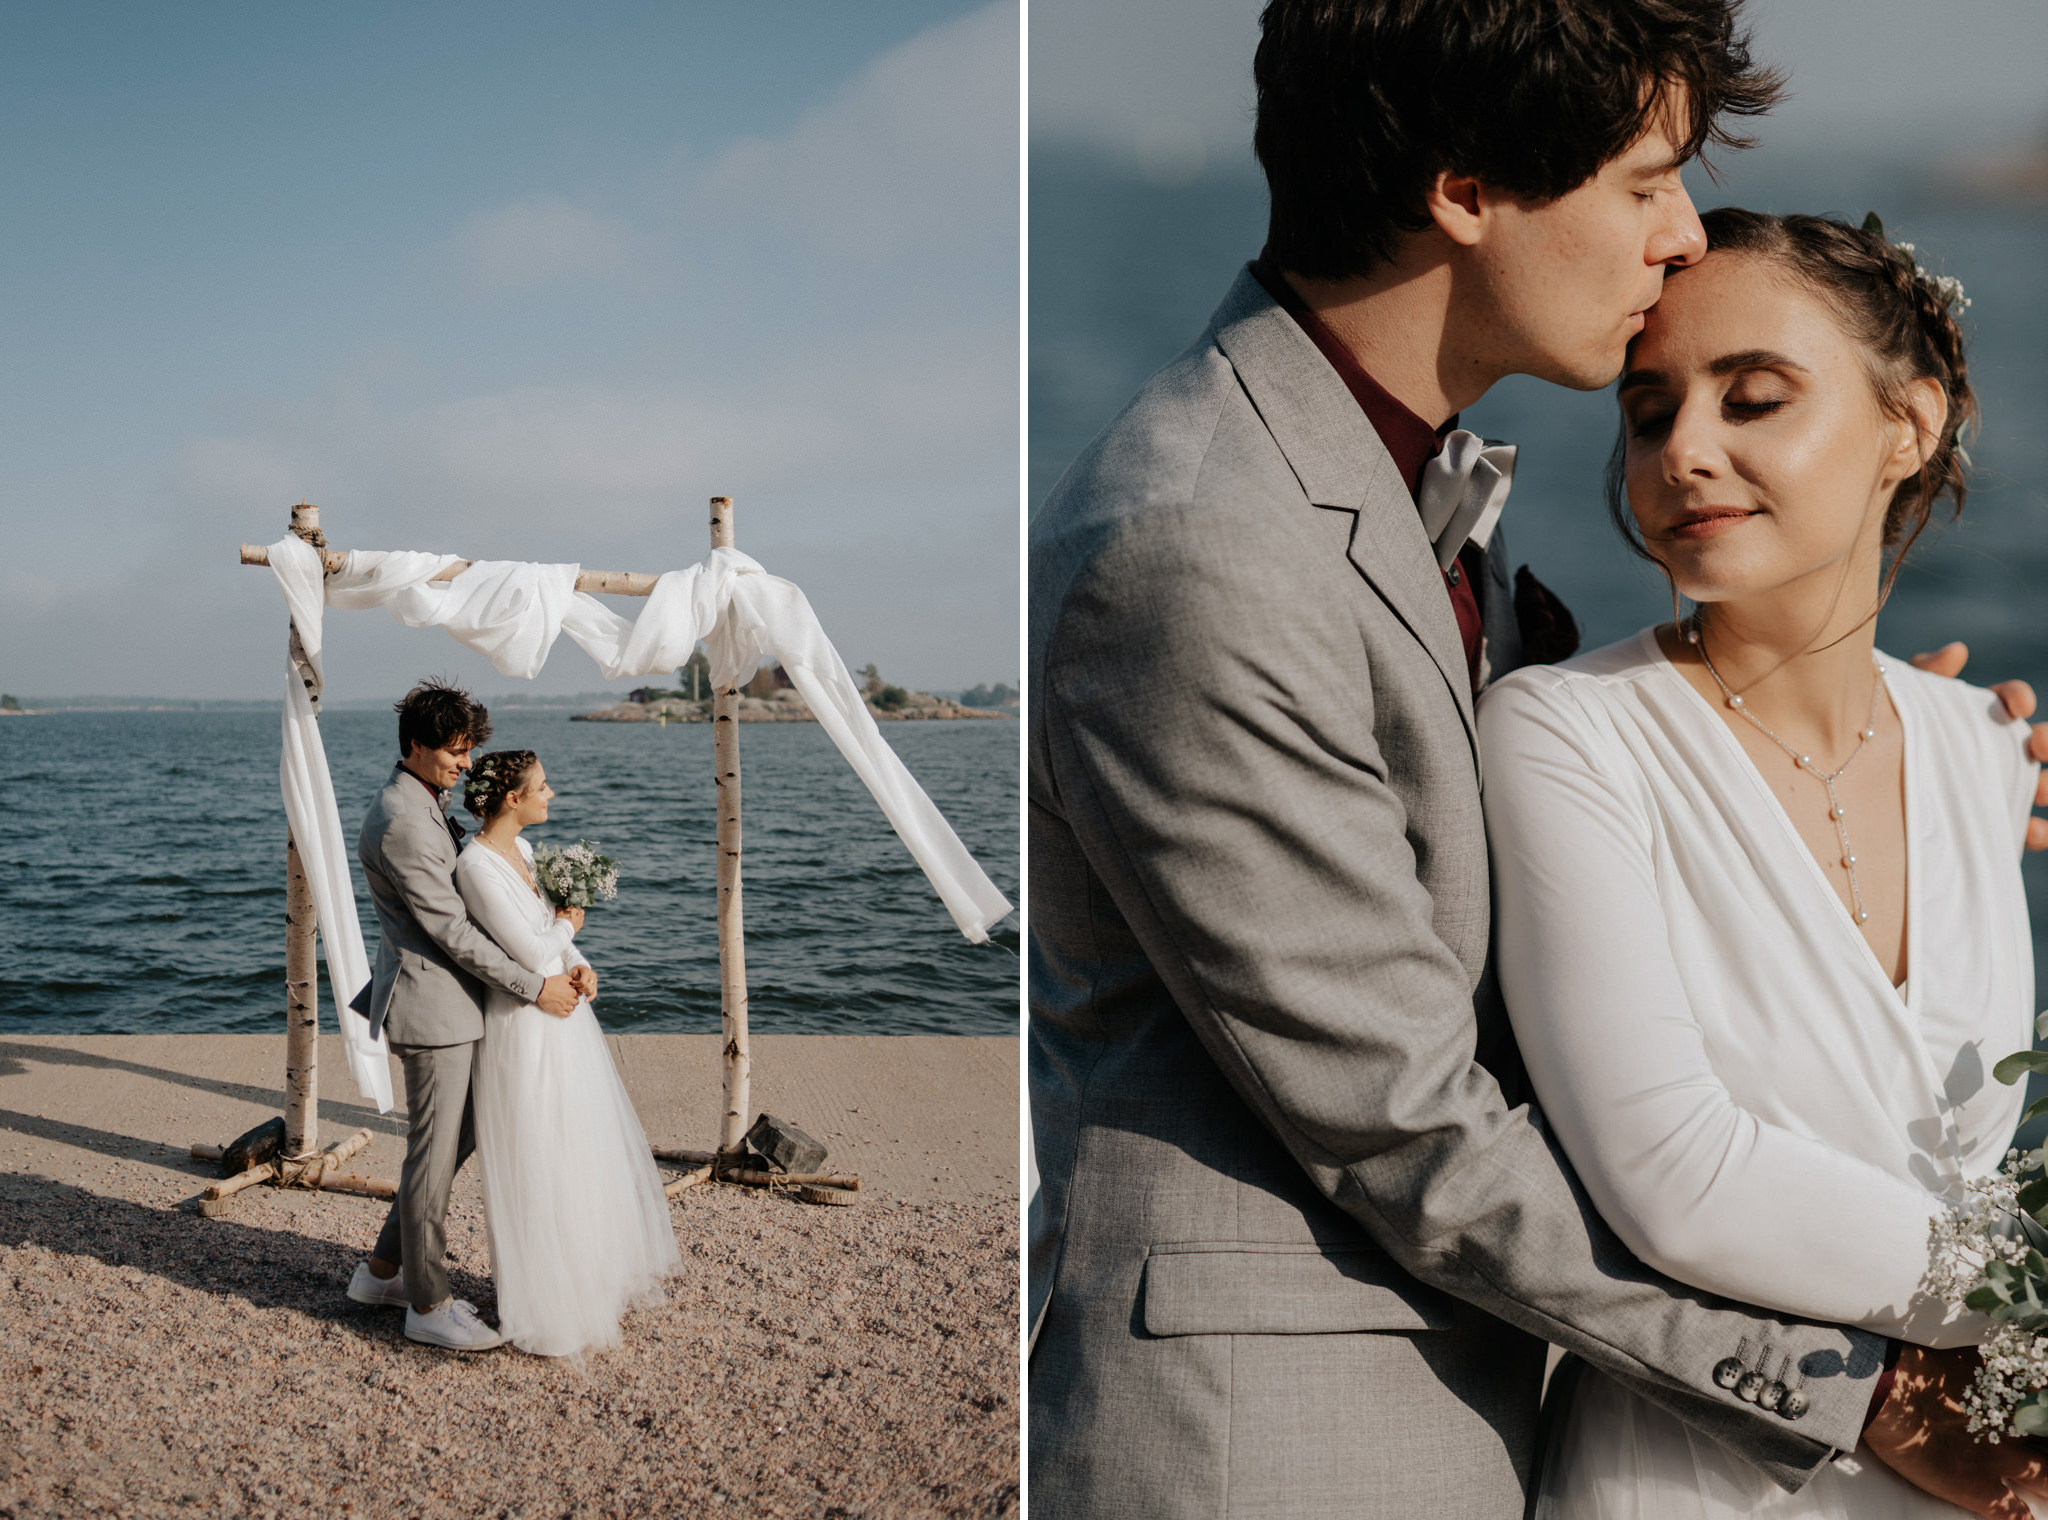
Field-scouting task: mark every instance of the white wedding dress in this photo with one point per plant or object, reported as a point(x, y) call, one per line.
point(1753, 1106)
point(578, 1224)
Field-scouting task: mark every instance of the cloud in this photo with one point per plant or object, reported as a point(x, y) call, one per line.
point(1165, 84)
point(539, 241)
point(911, 154)
point(866, 412)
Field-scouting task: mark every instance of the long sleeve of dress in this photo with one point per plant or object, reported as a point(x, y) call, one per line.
point(1697, 1186)
point(507, 911)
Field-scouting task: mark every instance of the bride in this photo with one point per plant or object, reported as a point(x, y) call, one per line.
point(1760, 922)
point(578, 1225)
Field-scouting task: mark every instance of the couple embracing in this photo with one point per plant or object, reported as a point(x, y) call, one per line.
point(1354, 1080)
point(486, 1002)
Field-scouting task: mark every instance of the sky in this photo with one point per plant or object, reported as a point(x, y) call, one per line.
point(1166, 84)
point(507, 280)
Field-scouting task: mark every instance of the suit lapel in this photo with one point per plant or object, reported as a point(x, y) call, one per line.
point(422, 798)
point(1342, 465)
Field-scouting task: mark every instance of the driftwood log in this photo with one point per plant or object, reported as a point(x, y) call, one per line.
point(605, 582)
point(689, 1179)
point(318, 1170)
point(711, 1166)
point(841, 1196)
point(792, 1179)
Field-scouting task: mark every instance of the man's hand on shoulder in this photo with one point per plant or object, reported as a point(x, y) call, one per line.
point(558, 996)
point(1921, 1432)
point(2018, 698)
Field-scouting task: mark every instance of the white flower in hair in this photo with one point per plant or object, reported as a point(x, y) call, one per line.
point(1948, 287)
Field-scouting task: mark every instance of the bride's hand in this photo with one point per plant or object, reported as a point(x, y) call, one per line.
point(574, 915)
point(1922, 1434)
point(584, 980)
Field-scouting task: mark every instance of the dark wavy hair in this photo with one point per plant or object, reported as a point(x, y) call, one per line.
point(1904, 322)
point(494, 777)
point(1361, 103)
point(435, 713)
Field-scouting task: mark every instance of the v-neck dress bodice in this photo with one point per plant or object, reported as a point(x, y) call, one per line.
point(1753, 1106)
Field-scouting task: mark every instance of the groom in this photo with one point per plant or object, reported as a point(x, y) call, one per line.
point(1299, 1244)
point(427, 994)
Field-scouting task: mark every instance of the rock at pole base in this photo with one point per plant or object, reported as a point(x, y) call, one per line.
point(783, 1146)
point(263, 1143)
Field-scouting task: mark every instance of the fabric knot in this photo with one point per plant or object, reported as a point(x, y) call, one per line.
point(1462, 493)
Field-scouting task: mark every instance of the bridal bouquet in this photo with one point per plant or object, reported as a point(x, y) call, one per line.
point(575, 876)
point(1988, 1256)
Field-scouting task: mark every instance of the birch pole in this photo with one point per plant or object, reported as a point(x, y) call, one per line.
point(732, 946)
point(302, 997)
point(302, 1010)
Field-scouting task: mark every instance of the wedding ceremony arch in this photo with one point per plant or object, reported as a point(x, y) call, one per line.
point(513, 612)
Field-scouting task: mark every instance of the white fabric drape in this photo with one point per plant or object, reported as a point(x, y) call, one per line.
point(315, 822)
point(512, 613)
point(745, 615)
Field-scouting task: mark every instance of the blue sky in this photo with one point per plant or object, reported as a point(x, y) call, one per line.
point(514, 281)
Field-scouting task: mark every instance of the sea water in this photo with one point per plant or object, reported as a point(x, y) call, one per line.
point(142, 871)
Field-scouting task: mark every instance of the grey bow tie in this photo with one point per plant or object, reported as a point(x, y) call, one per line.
point(1463, 491)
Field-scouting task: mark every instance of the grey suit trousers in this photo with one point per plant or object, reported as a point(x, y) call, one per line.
point(415, 1233)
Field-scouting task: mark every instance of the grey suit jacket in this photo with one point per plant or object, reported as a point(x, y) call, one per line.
point(432, 960)
point(1295, 1245)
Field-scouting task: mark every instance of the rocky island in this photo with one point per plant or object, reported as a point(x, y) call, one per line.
point(770, 698)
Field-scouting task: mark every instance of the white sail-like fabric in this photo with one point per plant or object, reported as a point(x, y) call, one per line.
point(315, 821)
point(512, 613)
point(744, 615)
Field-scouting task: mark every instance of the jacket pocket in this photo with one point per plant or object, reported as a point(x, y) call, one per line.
point(1255, 1288)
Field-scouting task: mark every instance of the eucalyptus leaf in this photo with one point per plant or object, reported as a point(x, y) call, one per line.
point(2035, 1109)
point(2030, 1419)
point(2020, 1062)
point(1986, 1300)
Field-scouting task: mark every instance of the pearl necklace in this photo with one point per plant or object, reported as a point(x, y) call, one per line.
point(1805, 762)
point(511, 858)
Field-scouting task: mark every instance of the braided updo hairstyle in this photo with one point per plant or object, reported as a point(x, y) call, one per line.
point(493, 777)
point(1905, 323)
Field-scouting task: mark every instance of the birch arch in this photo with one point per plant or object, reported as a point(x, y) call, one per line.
point(741, 614)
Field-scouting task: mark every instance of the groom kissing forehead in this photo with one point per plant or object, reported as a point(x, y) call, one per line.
point(1467, 189)
point(1299, 1242)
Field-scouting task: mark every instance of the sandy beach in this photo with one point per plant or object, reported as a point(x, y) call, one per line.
point(808, 1361)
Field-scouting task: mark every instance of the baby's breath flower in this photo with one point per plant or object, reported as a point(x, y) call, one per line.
point(575, 876)
point(1972, 1241)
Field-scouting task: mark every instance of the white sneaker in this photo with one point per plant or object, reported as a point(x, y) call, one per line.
point(453, 1324)
point(366, 1287)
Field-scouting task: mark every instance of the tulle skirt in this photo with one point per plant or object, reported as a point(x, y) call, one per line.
point(1614, 1456)
point(578, 1224)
